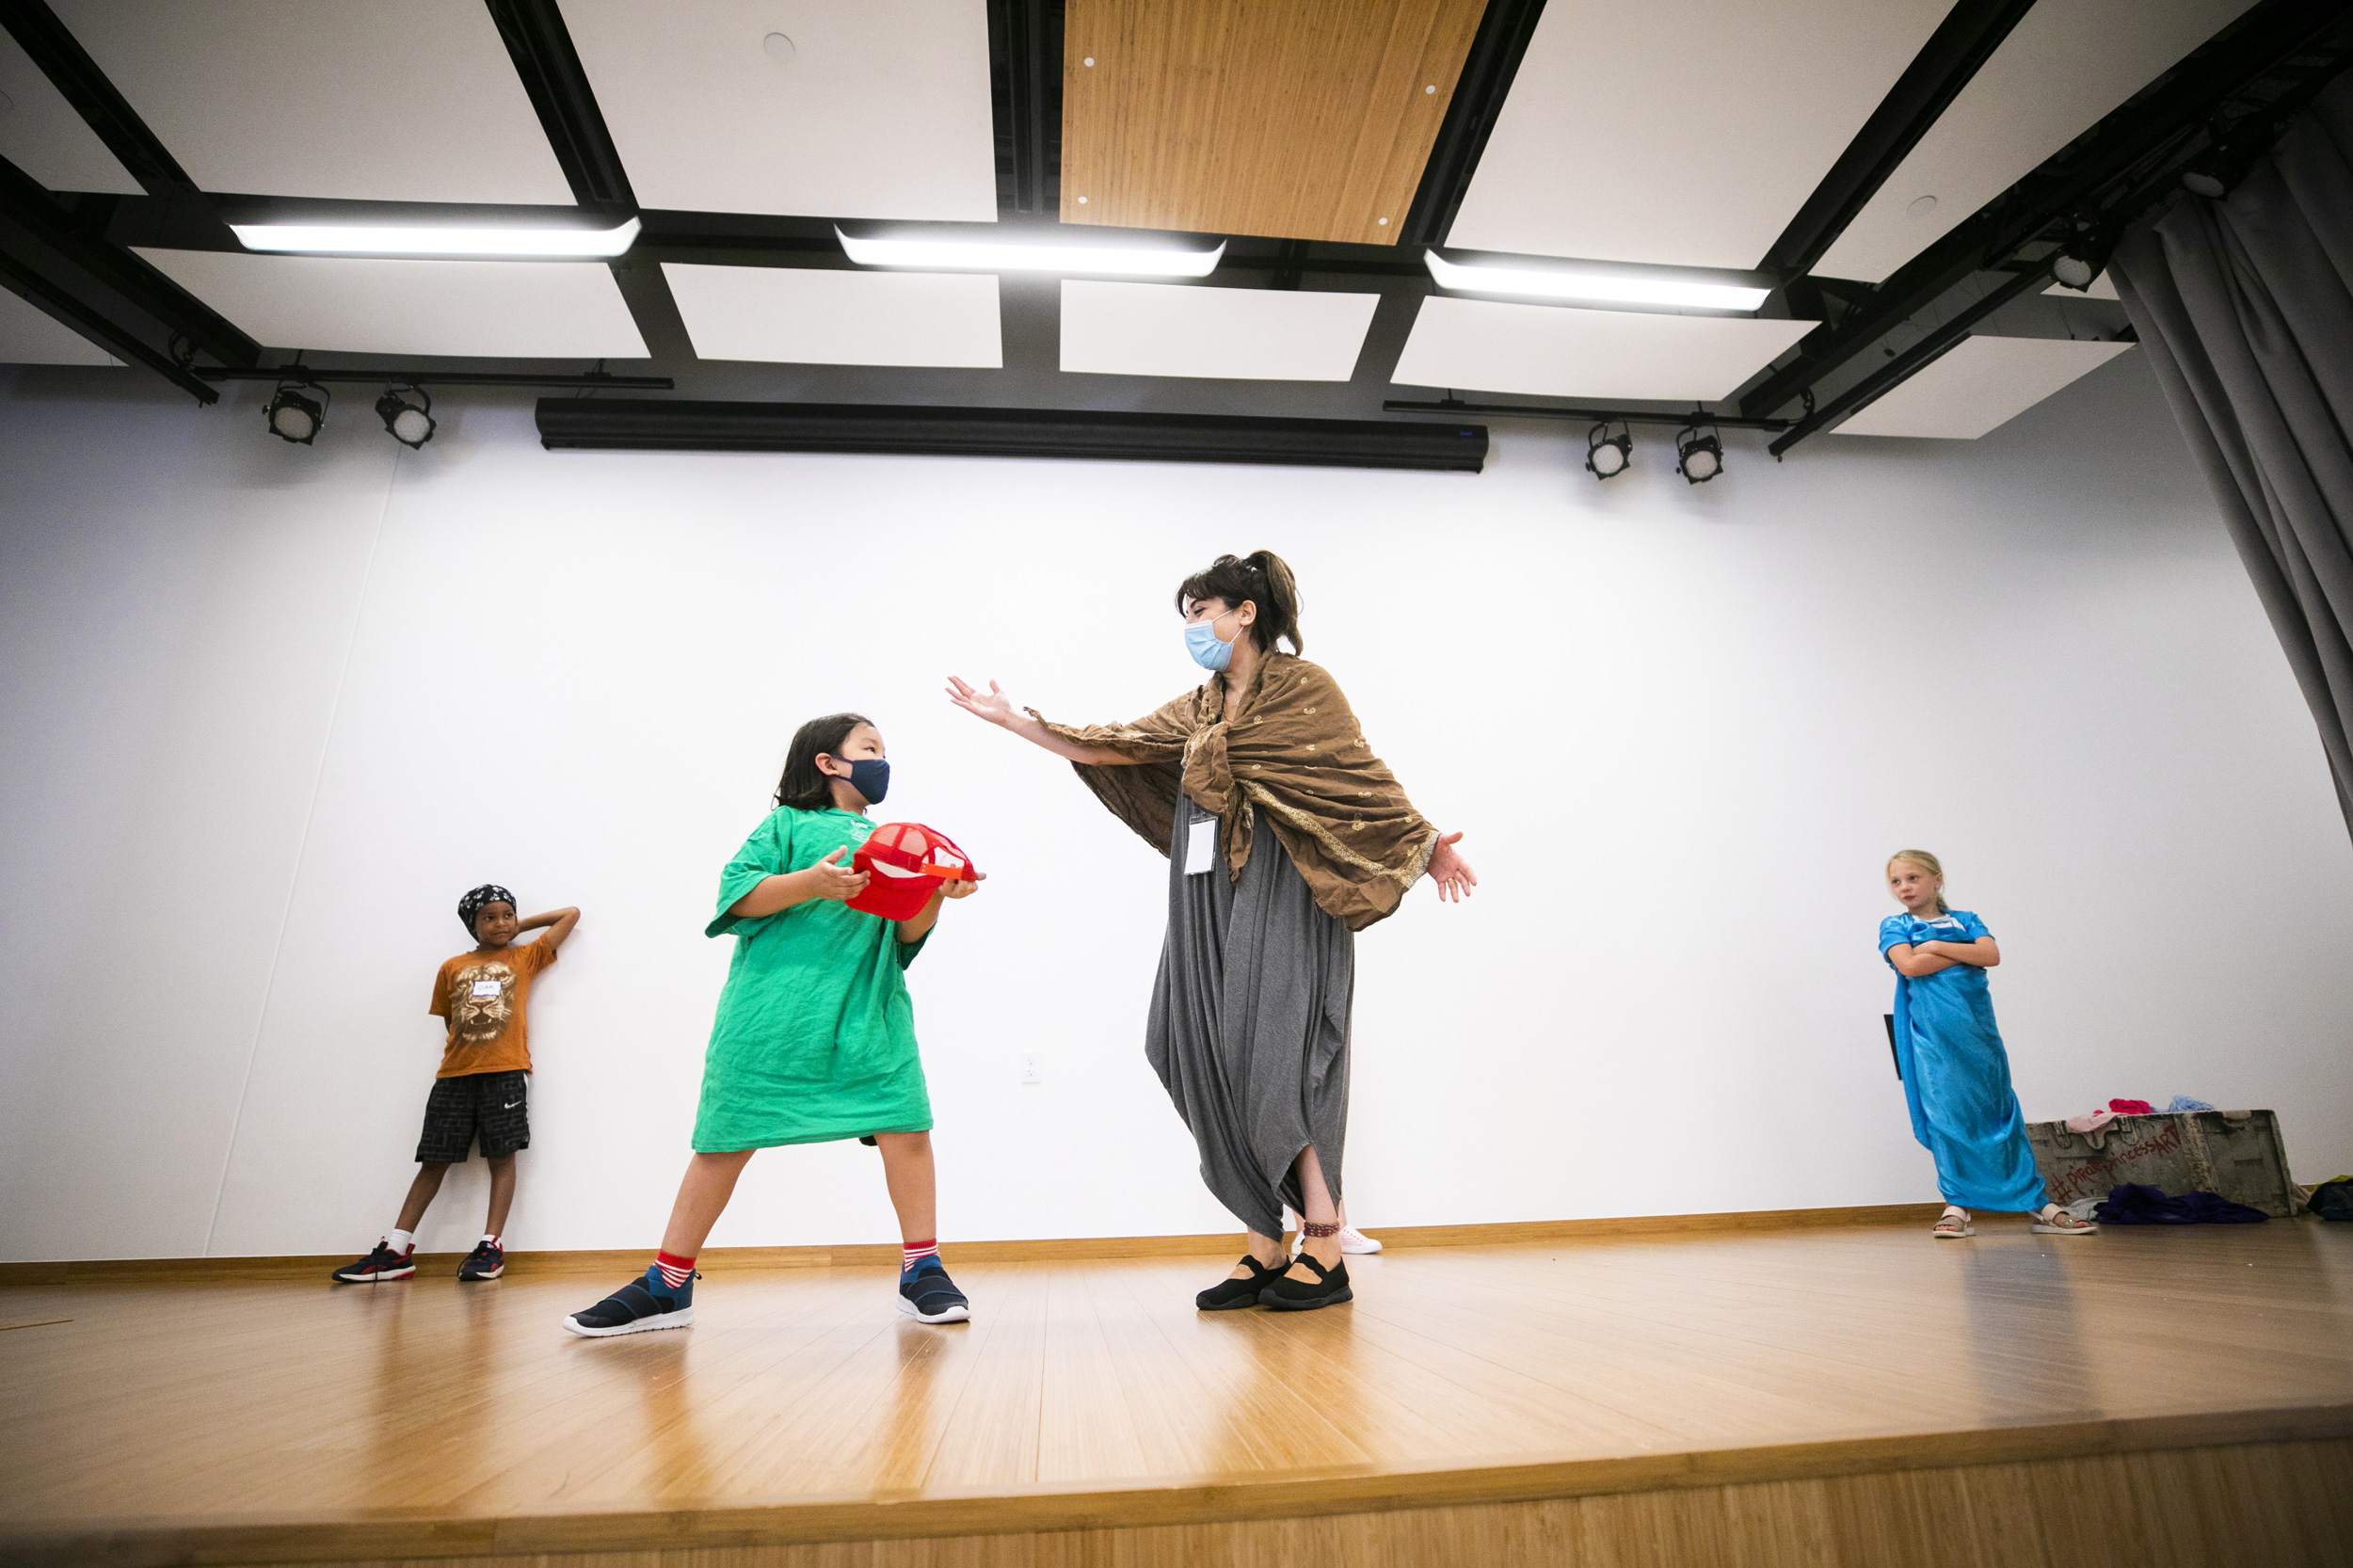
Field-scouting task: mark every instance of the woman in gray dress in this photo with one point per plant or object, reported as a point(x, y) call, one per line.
point(1286, 836)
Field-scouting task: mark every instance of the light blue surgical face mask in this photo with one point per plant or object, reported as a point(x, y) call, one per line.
point(1200, 641)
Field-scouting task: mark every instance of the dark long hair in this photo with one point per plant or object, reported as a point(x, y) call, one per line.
point(803, 788)
point(1260, 577)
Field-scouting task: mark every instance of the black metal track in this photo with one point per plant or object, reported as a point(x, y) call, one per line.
point(398, 375)
point(2176, 109)
point(1453, 408)
point(1025, 45)
point(69, 67)
point(541, 47)
point(104, 293)
point(618, 425)
point(1947, 337)
point(1488, 68)
point(1960, 44)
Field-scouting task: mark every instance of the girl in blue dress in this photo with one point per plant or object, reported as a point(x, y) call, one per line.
point(1956, 1073)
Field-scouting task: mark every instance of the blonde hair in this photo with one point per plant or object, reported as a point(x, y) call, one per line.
point(1927, 863)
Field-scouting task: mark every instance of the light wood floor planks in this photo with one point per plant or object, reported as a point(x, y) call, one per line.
point(390, 1406)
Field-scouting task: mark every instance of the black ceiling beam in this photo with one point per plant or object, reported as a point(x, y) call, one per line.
point(1960, 44)
point(70, 68)
point(1944, 338)
point(1455, 408)
point(104, 293)
point(1488, 68)
point(593, 380)
point(2177, 107)
point(541, 48)
point(649, 424)
point(1025, 44)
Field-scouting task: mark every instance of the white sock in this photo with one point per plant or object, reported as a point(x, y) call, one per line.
point(401, 1240)
point(492, 1239)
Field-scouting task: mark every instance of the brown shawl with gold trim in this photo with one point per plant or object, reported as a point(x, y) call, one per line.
point(1293, 750)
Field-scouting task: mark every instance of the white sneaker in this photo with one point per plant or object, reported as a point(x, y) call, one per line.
point(1353, 1243)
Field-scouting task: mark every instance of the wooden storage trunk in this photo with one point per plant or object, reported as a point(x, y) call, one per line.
point(2234, 1153)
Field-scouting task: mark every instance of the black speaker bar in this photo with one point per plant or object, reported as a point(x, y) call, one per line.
point(649, 424)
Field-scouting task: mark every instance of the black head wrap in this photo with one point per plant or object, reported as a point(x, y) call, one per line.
point(471, 905)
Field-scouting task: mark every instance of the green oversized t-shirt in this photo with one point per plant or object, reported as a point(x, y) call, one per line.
point(815, 1034)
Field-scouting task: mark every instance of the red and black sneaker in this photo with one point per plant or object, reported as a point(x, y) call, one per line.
point(487, 1261)
point(379, 1266)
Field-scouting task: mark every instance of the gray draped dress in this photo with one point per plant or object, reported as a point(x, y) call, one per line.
point(1249, 1023)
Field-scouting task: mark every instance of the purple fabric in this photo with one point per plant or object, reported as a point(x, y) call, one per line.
point(2131, 1205)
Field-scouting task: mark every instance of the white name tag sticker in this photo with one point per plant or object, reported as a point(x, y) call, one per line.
point(1201, 847)
point(486, 987)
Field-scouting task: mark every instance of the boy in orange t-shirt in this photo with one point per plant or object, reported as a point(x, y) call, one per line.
point(483, 1086)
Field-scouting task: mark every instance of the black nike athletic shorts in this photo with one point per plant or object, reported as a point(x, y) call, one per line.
point(495, 1105)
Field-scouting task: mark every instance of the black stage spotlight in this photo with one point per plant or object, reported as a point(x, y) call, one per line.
point(2072, 271)
point(1699, 454)
point(2208, 177)
point(1608, 455)
point(2217, 171)
point(295, 417)
point(2084, 254)
point(408, 414)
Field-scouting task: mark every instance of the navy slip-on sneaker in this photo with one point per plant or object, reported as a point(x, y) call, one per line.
point(637, 1307)
point(929, 1296)
point(379, 1266)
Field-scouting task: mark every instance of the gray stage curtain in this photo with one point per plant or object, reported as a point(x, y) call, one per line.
point(2245, 307)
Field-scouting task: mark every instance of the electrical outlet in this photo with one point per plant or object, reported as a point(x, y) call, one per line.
point(1033, 1067)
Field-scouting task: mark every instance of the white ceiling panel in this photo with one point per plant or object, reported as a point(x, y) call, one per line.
point(414, 102)
point(41, 134)
point(2062, 69)
point(1667, 131)
point(1240, 334)
point(520, 310)
point(803, 316)
point(1557, 352)
point(29, 337)
point(878, 109)
point(1979, 384)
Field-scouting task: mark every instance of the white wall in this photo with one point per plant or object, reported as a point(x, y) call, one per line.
point(267, 710)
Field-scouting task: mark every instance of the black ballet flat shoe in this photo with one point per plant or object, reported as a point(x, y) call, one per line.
point(1290, 1295)
point(1231, 1295)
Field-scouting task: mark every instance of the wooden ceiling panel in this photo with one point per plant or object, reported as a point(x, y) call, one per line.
point(1296, 119)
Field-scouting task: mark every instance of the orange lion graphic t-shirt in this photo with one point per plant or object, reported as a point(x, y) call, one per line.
point(483, 997)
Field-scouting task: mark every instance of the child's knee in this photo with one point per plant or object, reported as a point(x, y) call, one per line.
point(903, 1143)
point(501, 1163)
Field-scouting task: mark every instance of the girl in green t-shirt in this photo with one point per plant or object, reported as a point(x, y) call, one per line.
point(815, 1037)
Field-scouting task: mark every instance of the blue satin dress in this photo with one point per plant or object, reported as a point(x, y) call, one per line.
point(1957, 1075)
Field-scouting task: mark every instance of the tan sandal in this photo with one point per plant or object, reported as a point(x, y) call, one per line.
point(2058, 1221)
point(1953, 1225)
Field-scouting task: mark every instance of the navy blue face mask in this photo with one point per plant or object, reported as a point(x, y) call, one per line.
point(871, 777)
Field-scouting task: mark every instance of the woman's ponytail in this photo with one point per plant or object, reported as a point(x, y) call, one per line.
point(1261, 578)
point(1279, 613)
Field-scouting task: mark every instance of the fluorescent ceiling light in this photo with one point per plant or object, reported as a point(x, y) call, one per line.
point(957, 253)
point(541, 242)
point(1597, 285)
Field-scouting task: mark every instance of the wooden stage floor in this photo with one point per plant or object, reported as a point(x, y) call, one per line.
point(282, 1421)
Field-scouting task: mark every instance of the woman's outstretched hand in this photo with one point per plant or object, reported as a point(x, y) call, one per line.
point(996, 708)
point(1451, 872)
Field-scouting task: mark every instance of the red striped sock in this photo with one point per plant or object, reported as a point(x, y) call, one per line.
point(916, 1252)
point(675, 1271)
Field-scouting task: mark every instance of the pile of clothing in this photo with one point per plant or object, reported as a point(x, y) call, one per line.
point(2093, 1119)
point(2332, 1199)
point(2133, 1205)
